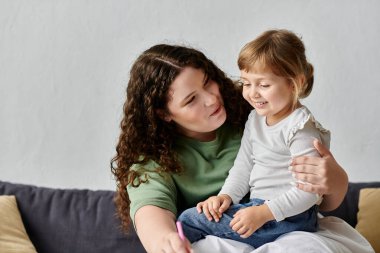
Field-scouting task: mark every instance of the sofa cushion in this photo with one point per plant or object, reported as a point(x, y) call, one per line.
point(71, 220)
point(369, 216)
point(13, 237)
point(348, 209)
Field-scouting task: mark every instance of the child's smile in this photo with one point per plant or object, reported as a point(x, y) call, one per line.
point(269, 94)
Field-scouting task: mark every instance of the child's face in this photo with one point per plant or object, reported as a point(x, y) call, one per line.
point(269, 94)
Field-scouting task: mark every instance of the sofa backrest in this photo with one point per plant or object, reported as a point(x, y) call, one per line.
point(349, 208)
point(78, 221)
point(75, 221)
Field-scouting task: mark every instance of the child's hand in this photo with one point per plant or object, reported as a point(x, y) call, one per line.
point(214, 206)
point(247, 220)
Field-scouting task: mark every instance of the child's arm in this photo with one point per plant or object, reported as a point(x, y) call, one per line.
point(237, 183)
point(295, 200)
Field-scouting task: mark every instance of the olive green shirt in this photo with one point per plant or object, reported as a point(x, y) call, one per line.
point(205, 167)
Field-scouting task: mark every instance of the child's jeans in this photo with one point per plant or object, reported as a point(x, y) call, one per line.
point(196, 226)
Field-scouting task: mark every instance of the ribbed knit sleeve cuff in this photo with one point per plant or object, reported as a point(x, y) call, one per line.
point(276, 210)
point(235, 199)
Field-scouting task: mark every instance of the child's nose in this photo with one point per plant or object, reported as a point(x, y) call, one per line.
point(253, 93)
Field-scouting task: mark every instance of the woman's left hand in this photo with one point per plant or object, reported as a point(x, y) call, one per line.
point(323, 176)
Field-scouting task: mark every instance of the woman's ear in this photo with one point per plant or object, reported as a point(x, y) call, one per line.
point(163, 115)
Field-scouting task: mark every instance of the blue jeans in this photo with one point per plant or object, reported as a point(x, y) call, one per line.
point(196, 226)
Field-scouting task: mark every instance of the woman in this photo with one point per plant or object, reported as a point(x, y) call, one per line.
point(183, 120)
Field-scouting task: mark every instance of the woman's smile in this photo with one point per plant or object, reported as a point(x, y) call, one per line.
point(196, 105)
point(218, 110)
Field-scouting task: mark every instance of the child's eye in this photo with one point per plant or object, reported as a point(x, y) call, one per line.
point(264, 85)
point(240, 83)
point(246, 84)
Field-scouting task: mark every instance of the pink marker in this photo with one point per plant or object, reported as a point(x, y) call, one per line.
point(180, 231)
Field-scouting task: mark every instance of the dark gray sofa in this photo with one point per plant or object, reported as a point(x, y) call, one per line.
point(71, 221)
point(79, 221)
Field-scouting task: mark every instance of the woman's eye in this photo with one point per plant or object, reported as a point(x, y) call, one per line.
point(190, 100)
point(264, 85)
point(207, 81)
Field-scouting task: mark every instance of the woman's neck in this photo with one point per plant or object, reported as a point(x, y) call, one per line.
point(203, 137)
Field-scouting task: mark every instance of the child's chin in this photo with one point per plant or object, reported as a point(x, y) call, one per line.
point(260, 112)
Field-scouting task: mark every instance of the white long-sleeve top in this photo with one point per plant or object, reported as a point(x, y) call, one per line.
point(261, 165)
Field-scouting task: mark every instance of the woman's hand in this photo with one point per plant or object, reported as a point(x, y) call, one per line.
point(214, 206)
point(323, 176)
point(157, 231)
point(172, 243)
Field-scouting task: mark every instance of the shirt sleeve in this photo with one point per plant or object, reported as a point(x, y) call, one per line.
point(237, 183)
point(296, 201)
point(158, 190)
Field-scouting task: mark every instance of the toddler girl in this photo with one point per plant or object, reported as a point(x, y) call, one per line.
point(275, 74)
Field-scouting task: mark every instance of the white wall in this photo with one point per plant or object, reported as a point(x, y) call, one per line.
point(64, 68)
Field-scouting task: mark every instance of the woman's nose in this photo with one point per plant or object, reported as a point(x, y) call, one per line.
point(210, 99)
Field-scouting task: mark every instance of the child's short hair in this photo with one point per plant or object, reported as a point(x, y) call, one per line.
point(283, 53)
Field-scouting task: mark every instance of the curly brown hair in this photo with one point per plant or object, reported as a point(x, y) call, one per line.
point(144, 134)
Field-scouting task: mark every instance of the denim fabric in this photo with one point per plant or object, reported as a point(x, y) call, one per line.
point(196, 226)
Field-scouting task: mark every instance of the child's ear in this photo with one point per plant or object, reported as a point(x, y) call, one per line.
point(163, 115)
point(301, 79)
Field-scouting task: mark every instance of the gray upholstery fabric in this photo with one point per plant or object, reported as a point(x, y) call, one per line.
point(81, 221)
point(71, 221)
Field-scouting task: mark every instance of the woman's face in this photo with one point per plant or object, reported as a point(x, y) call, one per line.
point(195, 105)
